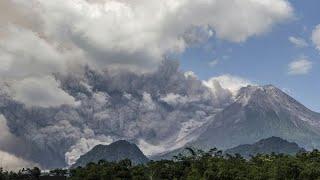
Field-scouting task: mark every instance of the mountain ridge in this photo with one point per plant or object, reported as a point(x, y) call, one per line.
point(266, 146)
point(261, 112)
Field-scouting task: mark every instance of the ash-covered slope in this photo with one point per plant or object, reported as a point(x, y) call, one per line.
point(266, 146)
point(261, 112)
point(114, 152)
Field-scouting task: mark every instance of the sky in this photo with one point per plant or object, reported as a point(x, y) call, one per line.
point(265, 59)
point(258, 41)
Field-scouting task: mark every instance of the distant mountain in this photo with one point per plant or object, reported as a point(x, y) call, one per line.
point(261, 112)
point(266, 146)
point(114, 152)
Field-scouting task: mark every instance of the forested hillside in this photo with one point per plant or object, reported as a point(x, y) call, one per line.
point(198, 165)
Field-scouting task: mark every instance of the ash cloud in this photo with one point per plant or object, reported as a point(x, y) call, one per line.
point(122, 34)
point(80, 56)
point(8, 143)
point(40, 38)
point(151, 107)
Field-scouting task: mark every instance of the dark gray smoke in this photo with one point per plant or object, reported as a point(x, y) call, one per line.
point(156, 110)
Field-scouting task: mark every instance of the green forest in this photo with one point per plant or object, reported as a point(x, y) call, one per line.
point(196, 165)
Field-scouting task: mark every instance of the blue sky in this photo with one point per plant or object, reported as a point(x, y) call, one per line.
point(264, 59)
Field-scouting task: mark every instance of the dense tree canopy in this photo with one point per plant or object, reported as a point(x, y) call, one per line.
point(198, 165)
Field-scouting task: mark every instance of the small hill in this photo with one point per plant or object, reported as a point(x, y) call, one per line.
point(266, 146)
point(114, 152)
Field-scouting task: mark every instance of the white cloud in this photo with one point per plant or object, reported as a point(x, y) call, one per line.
point(135, 34)
point(300, 67)
point(232, 83)
point(28, 60)
point(40, 37)
point(43, 91)
point(190, 74)
point(298, 42)
point(316, 37)
point(214, 63)
point(11, 11)
point(58, 36)
point(24, 53)
point(174, 99)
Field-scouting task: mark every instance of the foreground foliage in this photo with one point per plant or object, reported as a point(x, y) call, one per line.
point(199, 165)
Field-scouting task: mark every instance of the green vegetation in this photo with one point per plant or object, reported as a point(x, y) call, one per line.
point(24, 174)
point(113, 152)
point(266, 146)
point(198, 165)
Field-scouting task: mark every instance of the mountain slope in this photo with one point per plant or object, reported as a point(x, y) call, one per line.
point(114, 152)
point(261, 112)
point(266, 146)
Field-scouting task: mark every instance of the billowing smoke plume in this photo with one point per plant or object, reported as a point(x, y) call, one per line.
point(8, 143)
point(66, 71)
point(41, 37)
point(162, 109)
